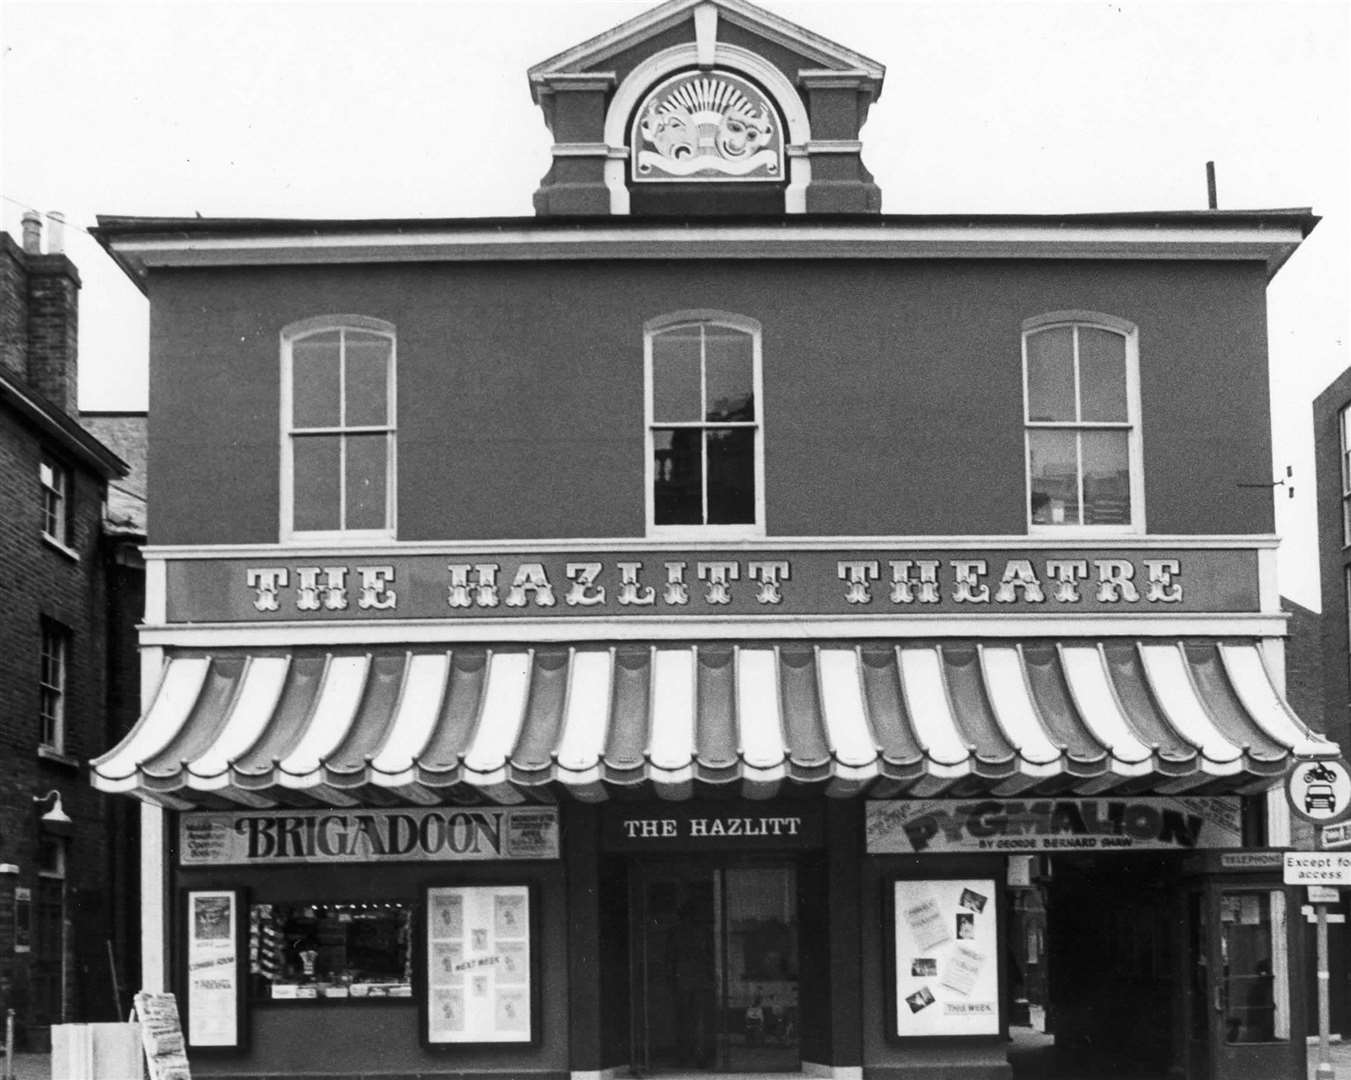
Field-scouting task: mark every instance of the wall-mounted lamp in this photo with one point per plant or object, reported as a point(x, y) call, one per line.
point(56, 819)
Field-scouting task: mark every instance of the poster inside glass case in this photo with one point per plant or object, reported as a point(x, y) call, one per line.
point(947, 960)
point(213, 968)
point(478, 964)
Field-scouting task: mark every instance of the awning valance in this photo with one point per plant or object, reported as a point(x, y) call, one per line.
point(430, 725)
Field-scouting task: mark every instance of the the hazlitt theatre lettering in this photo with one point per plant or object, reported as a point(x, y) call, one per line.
point(800, 582)
point(1001, 826)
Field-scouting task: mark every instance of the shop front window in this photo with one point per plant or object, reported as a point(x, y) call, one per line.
point(301, 951)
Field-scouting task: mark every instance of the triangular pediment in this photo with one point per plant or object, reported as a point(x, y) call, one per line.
point(701, 108)
point(811, 48)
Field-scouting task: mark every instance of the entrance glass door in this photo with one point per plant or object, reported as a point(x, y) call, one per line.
point(715, 967)
point(1242, 1022)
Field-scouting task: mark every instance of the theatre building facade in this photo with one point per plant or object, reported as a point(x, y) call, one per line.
point(711, 625)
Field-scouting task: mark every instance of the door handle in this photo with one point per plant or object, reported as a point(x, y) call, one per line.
point(1219, 1008)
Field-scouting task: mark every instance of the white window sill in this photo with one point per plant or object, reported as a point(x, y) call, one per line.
point(340, 539)
point(1087, 532)
point(58, 757)
point(702, 533)
point(56, 545)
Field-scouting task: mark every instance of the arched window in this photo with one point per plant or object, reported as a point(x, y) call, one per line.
point(1081, 403)
point(338, 428)
point(704, 428)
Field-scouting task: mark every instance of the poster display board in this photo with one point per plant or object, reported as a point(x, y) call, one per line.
point(478, 965)
point(162, 1036)
point(946, 957)
point(213, 984)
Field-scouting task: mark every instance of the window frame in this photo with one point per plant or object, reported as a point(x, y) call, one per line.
point(704, 317)
point(291, 334)
point(52, 726)
point(61, 493)
point(1344, 447)
point(1092, 320)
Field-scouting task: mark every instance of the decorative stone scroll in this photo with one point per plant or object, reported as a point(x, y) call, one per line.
point(707, 126)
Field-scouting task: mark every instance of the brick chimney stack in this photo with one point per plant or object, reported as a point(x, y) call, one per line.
point(40, 313)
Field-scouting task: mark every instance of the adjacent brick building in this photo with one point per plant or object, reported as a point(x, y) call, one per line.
point(60, 563)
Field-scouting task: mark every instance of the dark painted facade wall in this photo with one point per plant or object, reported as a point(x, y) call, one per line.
point(1334, 558)
point(892, 391)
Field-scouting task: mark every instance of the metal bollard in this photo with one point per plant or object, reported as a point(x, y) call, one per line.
point(9, 1045)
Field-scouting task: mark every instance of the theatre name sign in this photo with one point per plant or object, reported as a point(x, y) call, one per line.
point(743, 583)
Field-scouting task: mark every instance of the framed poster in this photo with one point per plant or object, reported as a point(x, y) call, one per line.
point(480, 975)
point(945, 971)
point(213, 988)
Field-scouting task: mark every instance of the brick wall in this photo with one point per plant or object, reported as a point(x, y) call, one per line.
point(13, 308)
point(53, 329)
point(40, 322)
point(1304, 663)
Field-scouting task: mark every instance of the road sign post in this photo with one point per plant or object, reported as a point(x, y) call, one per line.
point(1319, 870)
point(1324, 1071)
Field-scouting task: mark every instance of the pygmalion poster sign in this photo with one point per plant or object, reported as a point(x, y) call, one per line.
point(940, 826)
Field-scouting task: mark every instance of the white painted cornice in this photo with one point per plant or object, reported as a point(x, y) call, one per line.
point(1132, 237)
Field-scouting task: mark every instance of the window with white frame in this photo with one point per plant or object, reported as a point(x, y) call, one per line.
point(338, 418)
point(705, 444)
point(53, 663)
point(54, 481)
point(1344, 426)
point(1082, 412)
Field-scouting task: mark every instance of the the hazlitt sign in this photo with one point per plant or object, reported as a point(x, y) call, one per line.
point(671, 583)
point(1008, 825)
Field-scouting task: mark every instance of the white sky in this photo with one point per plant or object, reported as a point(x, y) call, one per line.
point(348, 110)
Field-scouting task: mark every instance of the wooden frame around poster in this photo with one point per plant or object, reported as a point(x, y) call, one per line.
point(214, 940)
point(479, 945)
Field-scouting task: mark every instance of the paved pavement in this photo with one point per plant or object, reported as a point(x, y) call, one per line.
point(29, 1066)
point(39, 1066)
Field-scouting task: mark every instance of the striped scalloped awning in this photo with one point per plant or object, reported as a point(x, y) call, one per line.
point(430, 725)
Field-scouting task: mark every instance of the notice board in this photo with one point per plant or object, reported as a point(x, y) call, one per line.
point(166, 1056)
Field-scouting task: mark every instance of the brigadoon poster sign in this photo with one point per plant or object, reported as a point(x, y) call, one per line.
point(267, 837)
point(940, 826)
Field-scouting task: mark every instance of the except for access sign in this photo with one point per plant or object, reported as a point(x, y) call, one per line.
point(1317, 868)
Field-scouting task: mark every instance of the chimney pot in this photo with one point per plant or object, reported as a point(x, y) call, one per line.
point(32, 232)
point(56, 232)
